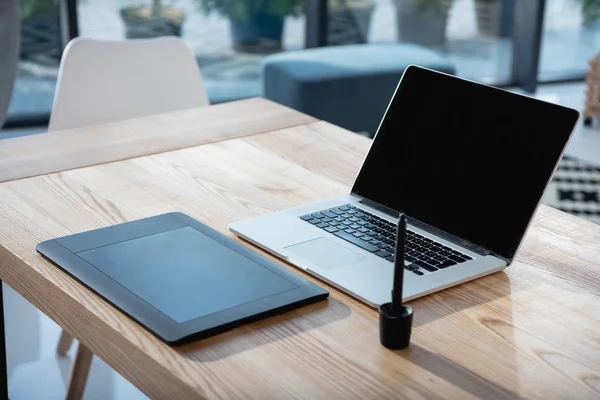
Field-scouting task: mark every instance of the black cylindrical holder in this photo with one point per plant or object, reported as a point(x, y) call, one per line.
point(395, 328)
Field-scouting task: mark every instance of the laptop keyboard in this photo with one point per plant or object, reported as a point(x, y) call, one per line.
point(378, 236)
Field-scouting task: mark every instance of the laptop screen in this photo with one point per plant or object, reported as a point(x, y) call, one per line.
point(465, 158)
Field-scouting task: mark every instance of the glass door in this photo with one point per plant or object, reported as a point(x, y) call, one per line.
point(39, 58)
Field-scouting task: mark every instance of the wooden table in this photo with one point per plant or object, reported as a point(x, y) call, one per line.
point(530, 331)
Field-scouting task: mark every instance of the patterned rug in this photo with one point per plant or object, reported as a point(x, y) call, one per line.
point(575, 189)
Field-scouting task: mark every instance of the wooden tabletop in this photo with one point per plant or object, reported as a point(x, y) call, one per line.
point(529, 331)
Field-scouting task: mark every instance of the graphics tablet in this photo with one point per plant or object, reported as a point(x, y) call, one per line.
point(179, 278)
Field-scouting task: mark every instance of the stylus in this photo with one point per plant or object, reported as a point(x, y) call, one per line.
point(399, 266)
point(395, 318)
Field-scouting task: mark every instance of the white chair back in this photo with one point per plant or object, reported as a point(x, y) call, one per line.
point(102, 81)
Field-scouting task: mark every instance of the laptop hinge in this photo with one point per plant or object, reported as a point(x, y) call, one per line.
point(430, 229)
point(380, 207)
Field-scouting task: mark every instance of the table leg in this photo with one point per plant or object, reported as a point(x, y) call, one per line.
point(3, 373)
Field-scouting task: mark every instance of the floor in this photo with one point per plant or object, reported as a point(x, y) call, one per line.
point(35, 372)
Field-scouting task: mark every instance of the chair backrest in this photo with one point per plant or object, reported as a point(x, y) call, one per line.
point(9, 53)
point(103, 81)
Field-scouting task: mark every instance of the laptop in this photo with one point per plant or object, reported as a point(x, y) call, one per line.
point(466, 163)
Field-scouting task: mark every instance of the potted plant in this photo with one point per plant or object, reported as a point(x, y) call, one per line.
point(348, 21)
point(422, 21)
point(151, 20)
point(256, 25)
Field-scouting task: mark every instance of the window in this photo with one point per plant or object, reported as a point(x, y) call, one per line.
point(229, 42)
point(476, 35)
point(40, 52)
point(569, 40)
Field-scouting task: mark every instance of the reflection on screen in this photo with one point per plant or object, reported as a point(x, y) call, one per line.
point(465, 158)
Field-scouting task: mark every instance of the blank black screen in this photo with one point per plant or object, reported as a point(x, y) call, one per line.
point(465, 158)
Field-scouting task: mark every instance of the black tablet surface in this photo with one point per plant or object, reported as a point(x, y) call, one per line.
point(179, 278)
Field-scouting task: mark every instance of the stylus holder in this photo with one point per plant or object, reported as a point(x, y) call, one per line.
point(395, 328)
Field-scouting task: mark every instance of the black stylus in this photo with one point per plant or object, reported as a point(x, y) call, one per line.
point(395, 318)
point(399, 266)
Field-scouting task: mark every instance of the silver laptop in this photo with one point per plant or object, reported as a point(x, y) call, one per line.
point(467, 163)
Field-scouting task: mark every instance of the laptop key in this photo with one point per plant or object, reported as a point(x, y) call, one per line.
point(456, 258)
point(329, 214)
point(358, 234)
point(390, 258)
point(306, 217)
point(416, 271)
point(318, 215)
point(344, 208)
point(424, 265)
point(322, 225)
point(349, 230)
point(360, 243)
point(331, 229)
point(446, 264)
point(314, 221)
point(382, 254)
point(336, 211)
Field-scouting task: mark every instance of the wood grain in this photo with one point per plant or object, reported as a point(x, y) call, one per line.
point(530, 331)
point(62, 150)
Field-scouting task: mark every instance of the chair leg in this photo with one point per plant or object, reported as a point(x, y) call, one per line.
point(79, 373)
point(64, 343)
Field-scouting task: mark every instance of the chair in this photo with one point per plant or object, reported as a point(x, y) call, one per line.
point(105, 81)
point(9, 53)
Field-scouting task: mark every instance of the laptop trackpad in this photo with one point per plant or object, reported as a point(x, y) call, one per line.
point(325, 253)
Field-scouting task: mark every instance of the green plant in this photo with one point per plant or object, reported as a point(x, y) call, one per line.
point(32, 8)
point(591, 10)
point(245, 10)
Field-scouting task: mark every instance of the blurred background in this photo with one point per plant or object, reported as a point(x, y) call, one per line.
point(501, 42)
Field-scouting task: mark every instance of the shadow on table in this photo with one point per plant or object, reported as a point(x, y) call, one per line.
point(267, 331)
point(495, 288)
point(456, 374)
point(467, 295)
